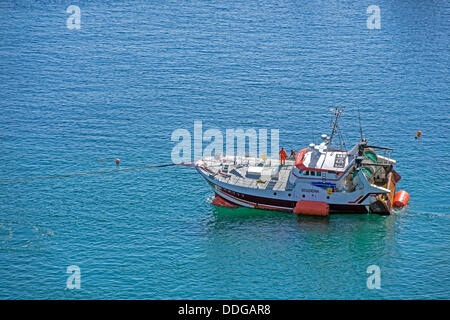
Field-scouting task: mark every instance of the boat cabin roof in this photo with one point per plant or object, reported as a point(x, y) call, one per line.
point(321, 158)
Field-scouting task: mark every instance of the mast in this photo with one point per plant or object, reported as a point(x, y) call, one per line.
point(337, 112)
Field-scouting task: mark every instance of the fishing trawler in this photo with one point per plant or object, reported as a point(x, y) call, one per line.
point(320, 180)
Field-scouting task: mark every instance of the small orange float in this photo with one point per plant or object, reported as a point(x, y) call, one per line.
point(401, 199)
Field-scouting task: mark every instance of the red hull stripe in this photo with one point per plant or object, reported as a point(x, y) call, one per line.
point(257, 205)
point(283, 205)
point(365, 197)
point(250, 199)
point(355, 200)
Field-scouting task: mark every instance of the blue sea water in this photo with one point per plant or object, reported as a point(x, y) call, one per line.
point(74, 100)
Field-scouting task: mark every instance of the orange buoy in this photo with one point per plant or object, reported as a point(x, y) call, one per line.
point(117, 161)
point(221, 202)
point(401, 199)
point(312, 208)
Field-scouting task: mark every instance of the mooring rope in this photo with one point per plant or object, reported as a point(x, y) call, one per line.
point(112, 171)
point(89, 173)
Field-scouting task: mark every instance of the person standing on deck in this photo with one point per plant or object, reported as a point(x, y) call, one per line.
point(282, 156)
point(292, 155)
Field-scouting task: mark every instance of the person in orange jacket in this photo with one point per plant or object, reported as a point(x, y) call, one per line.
point(282, 156)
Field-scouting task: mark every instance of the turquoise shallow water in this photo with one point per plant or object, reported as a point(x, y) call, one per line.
point(73, 100)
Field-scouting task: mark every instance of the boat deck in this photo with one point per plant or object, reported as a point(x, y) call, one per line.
point(250, 172)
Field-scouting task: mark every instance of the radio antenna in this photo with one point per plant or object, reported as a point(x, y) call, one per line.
point(360, 127)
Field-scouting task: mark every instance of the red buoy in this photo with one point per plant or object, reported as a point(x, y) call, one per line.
point(117, 161)
point(312, 208)
point(401, 199)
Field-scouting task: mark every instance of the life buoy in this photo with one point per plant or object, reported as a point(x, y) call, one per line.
point(401, 199)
